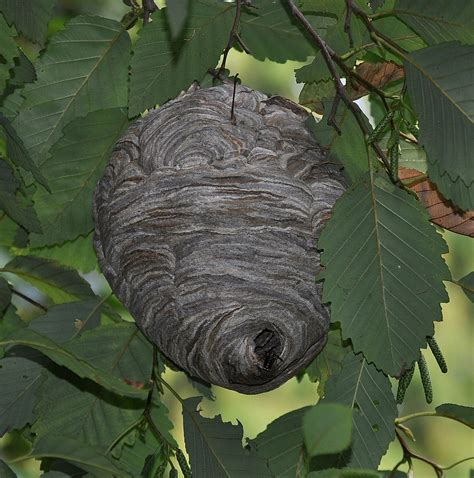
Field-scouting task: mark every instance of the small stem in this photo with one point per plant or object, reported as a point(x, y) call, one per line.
point(458, 462)
point(233, 34)
point(232, 114)
point(149, 7)
point(406, 418)
point(29, 299)
point(347, 22)
point(171, 389)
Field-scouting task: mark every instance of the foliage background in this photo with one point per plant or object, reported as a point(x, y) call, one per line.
point(443, 439)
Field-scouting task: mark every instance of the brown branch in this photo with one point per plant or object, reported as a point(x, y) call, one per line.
point(29, 299)
point(331, 59)
point(234, 35)
point(409, 454)
point(347, 23)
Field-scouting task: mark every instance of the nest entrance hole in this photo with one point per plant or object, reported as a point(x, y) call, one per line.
point(268, 348)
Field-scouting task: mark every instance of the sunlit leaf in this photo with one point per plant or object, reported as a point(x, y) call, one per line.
point(384, 272)
point(161, 69)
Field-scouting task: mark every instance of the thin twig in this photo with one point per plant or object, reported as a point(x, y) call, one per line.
point(29, 299)
point(331, 58)
point(233, 34)
point(347, 23)
point(408, 454)
point(232, 113)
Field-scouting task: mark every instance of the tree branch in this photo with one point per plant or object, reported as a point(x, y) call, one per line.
point(234, 35)
point(331, 59)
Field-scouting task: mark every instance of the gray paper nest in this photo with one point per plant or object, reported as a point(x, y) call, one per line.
point(206, 231)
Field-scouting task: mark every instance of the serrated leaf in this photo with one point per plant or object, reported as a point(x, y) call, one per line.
point(215, 448)
point(84, 69)
point(8, 53)
point(312, 94)
point(177, 13)
point(23, 72)
point(17, 152)
point(20, 377)
point(161, 69)
point(368, 392)
point(11, 105)
point(460, 413)
point(62, 355)
point(348, 147)
point(384, 272)
point(412, 156)
point(439, 80)
point(60, 283)
point(327, 428)
point(437, 21)
point(467, 285)
point(6, 471)
point(30, 18)
point(328, 362)
point(315, 72)
point(60, 323)
point(72, 170)
point(281, 444)
point(79, 409)
point(13, 202)
point(271, 32)
point(74, 451)
point(77, 254)
point(8, 230)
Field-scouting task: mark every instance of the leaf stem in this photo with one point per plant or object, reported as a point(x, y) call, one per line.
point(234, 35)
point(406, 418)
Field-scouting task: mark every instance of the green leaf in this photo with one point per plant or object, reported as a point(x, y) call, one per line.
point(11, 105)
point(74, 451)
point(437, 21)
point(5, 296)
point(348, 147)
point(23, 72)
point(144, 447)
point(215, 448)
point(13, 202)
point(327, 428)
point(161, 69)
point(8, 53)
point(467, 285)
point(312, 94)
point(79, 409)
point(17, 152)
point(60, 323)
point(84, 69)
point(60, 283)
point(76, 164)
point(78, 254)
point(384, 272)
point(281, 445)
point(412, 156)
point(30, 18)
point(368, 392)
point(270, 32)
point(177, 13)
point(6, 471)
point(63, 355)
point(460, 413)
point(8, 230)
point(315, 72)
point(345, 473)
point(328, 362)
point(439, 80)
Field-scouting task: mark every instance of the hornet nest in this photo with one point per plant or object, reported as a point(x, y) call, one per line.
point(206, 229)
